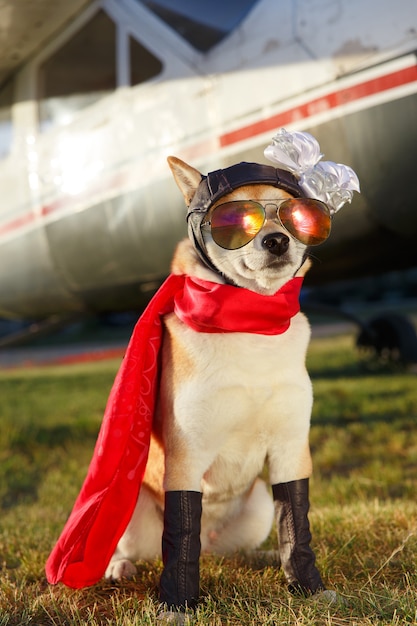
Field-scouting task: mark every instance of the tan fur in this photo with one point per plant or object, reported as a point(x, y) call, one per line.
point(228, 402)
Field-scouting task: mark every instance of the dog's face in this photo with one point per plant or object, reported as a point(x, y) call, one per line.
point(270, 259)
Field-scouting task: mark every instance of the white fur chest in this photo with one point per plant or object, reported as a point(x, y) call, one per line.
point(239, 397)
point(254, 359)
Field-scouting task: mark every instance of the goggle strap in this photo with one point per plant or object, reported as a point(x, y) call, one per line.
point(196, 236)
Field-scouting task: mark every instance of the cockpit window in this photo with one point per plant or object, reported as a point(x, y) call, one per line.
point(82, 71)
point(203, 23)
point(6, 99)
point(85, 69)
point(143, 64)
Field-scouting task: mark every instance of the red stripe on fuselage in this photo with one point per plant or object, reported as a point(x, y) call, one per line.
point(323, 103)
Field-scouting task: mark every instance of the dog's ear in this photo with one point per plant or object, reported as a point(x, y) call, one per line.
point(186, 177)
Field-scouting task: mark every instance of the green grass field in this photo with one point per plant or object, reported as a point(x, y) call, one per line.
point(363, 493)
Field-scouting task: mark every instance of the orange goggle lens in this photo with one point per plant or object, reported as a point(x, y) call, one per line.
point(235, 224)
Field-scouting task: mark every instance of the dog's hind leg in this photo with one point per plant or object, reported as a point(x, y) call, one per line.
point(141, 539)
point(297, 557)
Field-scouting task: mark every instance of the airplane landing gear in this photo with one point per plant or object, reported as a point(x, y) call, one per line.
point(391, 337)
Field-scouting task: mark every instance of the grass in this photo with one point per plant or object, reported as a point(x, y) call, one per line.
point(363, 516)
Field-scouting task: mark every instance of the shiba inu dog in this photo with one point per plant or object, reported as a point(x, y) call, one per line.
point(234, 392)
point(228, 402)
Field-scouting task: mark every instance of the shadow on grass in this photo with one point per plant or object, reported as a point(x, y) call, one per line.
point(35, 450)
point(32, 435)
point(360, 368)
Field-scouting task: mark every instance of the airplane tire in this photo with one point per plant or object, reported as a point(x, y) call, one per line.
point(391, 336)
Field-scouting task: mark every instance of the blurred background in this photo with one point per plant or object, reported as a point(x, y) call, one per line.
point(94, 95)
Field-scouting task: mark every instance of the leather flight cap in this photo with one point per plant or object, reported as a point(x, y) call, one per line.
point(221, 182)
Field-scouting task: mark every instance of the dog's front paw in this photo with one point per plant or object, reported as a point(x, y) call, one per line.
point(122, 568)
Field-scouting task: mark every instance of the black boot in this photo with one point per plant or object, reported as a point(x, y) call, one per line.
point(297, 558)
point(180, 579)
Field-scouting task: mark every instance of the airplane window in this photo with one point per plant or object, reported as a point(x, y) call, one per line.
point(203, 23)
point(79, 73)
point(143, 65)
point(6, 100)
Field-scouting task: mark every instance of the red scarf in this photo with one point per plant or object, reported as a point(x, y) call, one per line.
point(108, 496)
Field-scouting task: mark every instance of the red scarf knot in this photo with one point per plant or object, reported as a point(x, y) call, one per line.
point(214, 308)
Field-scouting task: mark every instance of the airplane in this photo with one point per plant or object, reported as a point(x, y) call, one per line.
point(90, 110)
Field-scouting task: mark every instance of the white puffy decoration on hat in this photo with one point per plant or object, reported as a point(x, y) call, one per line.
point(299, 153)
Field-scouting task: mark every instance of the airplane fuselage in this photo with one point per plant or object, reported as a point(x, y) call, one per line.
point(90, 216)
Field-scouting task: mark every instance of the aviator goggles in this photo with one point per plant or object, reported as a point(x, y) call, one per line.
point(235, 224)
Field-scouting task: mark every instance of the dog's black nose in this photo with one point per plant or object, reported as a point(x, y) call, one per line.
point(276, 243)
